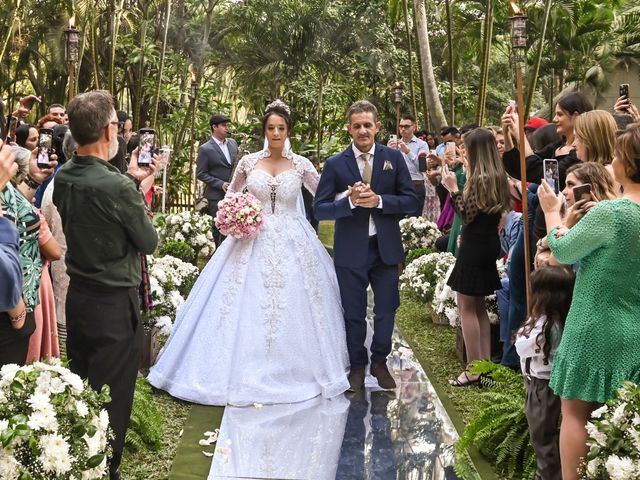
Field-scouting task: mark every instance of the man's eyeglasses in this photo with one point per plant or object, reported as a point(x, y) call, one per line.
point(405, 126)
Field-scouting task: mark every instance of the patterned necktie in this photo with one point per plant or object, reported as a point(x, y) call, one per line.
point(366, 171)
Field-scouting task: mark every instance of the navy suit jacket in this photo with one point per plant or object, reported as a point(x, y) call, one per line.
point(351, 234)
point(213, 169)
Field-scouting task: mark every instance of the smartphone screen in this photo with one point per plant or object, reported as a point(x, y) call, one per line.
point(550, 166)
point(45, 136)
point(147, 143)
point(582, 192)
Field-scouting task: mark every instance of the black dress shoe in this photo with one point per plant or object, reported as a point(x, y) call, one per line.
point(381, 372)
point(356, 380)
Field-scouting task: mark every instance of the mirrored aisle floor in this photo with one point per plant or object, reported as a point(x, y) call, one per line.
point(374, 435)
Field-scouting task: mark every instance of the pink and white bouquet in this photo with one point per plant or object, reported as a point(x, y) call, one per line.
point(239, 215)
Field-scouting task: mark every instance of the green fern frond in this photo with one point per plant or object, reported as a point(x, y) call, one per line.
point(145, 425)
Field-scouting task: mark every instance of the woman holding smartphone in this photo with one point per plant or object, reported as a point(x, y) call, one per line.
point(598, 349)
point(474, 276)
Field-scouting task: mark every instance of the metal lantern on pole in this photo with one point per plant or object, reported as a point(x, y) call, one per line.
point(519, 51)
point(397, 99)
point(195, 81)
point(71, 53)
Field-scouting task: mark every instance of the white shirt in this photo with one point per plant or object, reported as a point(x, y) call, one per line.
point(358, 153)
point(224, 146)
point(531, 347)
point(415, 147)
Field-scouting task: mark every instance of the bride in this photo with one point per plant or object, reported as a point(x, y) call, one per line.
point(263, 323)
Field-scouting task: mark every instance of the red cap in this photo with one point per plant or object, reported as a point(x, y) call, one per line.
point(536, 122)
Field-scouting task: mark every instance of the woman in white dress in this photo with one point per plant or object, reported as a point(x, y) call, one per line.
point(263, 323)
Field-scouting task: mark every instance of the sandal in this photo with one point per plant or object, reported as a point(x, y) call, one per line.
point(455, 382)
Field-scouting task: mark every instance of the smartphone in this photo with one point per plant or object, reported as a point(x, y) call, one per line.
point(146, 146)
point(550, 168)
point(422, 162)
point(582, 192)
point(45, 138)
point(13, 124)
point(623, 91)
point(450, 147)
point(512, 104)
point(393, 138)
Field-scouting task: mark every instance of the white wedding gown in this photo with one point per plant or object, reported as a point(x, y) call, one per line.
point(263, 323)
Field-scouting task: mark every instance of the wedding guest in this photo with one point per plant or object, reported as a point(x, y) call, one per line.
point(598, 349)
point(103, 246)
point(543, 136)
point(58, 111)
point(536, 343)
point(10, 269)
point(475, 275)
point(602, 188)
point(16, 203)
point(49, 121)
point(59, 277)
point(411, 147)
point(27, 136)
point(216, 160)
point(43, 343)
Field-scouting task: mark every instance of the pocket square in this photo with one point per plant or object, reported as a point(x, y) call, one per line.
point(387, 165)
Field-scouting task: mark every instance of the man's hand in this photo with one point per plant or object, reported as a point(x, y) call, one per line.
point(41, 174)
point(367, 198)
point(138, 172)
point(225, 186)
point(354, 192)
point(403, 147)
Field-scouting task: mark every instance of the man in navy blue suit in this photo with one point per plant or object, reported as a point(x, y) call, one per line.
point(367, 189)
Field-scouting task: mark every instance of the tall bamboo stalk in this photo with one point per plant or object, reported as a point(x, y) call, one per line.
point(10, 31)
point(115, 26)
point(536, 69)
point(167, 18)
point(139, 80)
point(452, 112)
point(410, 55)
point(486, 55)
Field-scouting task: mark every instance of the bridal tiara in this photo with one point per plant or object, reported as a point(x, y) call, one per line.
point(278, 104)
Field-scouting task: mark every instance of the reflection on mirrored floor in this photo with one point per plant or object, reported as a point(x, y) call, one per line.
point(375, 435)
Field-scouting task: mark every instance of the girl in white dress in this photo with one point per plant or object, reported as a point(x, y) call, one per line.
point(263, 323)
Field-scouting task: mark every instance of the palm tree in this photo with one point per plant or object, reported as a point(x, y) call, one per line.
point(430, 86)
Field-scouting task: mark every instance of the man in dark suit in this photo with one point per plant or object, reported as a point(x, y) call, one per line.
point(216, 159)
point(367, 189)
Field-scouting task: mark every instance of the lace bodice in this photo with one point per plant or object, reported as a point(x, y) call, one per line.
point(279, 194)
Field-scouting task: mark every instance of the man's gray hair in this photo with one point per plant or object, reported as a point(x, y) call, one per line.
point(362, 106)
point(89, 113)
point(22, 156)
point(69, 145)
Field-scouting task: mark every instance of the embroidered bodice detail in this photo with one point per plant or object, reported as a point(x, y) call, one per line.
point(278, 194)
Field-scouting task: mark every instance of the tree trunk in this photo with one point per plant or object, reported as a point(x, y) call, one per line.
point(430, 86)
point(410, 55)
point(137, 122)
point(452, 112)
point(486, 54)
point(536, 69)
point(167, 17)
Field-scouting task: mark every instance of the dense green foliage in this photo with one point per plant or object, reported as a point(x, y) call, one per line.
point(317, 55)
point(145, 426)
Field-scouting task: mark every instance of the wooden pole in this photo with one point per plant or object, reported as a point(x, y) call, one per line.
point(192, 181)
point(72, 80)
point(398, 121)
point(523, 179)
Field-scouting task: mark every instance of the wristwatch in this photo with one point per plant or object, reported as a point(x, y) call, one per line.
point(31, 183)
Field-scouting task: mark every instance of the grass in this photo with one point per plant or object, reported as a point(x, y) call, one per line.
point(435, 348)
point(155, 465)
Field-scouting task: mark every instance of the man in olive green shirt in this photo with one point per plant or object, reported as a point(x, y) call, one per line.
point(106, 228)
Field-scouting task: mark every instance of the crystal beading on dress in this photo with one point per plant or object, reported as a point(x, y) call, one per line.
point(265, 311)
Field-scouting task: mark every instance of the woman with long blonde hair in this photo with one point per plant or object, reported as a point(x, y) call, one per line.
point(474, 276)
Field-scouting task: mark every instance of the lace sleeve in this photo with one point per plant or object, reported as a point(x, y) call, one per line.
point(466, 208)
point(310, 176)
point(239, 180)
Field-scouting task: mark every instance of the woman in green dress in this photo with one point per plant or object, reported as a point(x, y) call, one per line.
point(599, 346)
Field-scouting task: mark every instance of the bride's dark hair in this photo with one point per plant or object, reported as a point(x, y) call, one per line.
point(279, 108)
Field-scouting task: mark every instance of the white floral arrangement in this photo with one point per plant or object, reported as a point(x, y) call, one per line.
point(422, 275)
point(444, 300)
point(614, 437)
point(52, 424)
point(418, 232)
point(171, 280)
point(192, 228)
